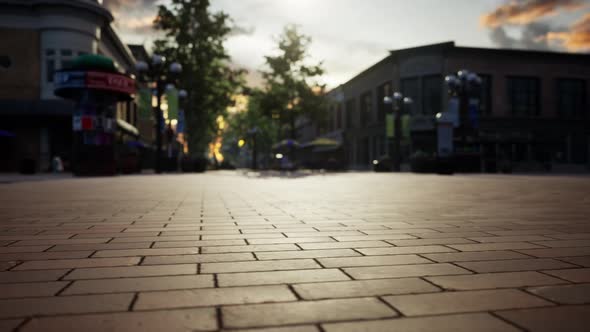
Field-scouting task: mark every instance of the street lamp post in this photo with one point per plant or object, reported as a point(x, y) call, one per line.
point(397, 101)
point(464, 86)
point(155, 71)
point(253, 133)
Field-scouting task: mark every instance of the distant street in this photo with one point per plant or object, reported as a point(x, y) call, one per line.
point(325, 252)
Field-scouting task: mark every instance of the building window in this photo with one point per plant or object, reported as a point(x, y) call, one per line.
point(485, 97)
point(523, 96)
point(366, 108)
point(411, 88)
point(383, 91)
point(50, 64)
point(350, 113)
point(66, 53)
point(339, 116)
point(432, 94)
point(5, 62)
point(571, 98)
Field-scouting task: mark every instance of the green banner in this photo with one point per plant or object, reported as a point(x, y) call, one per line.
point(389, 125)
point(144, 103)
point(172, 98)
point(406, 125)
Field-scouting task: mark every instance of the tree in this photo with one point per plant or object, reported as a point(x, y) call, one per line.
point(291, 86)
point(194, 37)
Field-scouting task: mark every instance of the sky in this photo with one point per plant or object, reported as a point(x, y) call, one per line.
point(350, 35)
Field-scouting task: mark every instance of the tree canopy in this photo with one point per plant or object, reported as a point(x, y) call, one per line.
point(194, 37)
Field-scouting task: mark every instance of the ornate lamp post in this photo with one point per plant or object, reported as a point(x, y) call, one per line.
point(397, 101)
point(464, 86)
point(155, 72)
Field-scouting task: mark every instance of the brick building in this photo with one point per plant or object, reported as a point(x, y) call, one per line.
point(533, 106)
point(40, 37)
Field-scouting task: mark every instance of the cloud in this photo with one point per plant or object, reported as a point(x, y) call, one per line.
point(577, 38)
point(536, 33)
point(527, 11)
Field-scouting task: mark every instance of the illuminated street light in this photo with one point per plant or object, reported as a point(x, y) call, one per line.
point(397, 100)
point(155, 72)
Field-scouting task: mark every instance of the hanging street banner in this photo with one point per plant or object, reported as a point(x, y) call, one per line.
point(172, 98)
point(144, 103)
point(453, 111)
point(389, 125)
point(406, 123)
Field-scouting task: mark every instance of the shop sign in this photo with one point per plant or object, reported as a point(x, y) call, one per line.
point(110, 82)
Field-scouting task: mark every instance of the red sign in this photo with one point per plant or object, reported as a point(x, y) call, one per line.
point(110, 82)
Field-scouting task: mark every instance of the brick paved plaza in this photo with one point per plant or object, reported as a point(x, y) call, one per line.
point(348, 252)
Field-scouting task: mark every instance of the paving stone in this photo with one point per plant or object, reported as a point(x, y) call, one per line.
point(291, 240)
point(77, 263)
point(448, 235)
point(516, 238)
point(31, 289)
point(146, 252)
point(250, 248)
point(515, 265)
point(186, 320)
point(10, 324)
point(210, 243)
point(258, 315)
point(275, 265)
point(132, 271)
point(101, 246)
point(480, 322)
point(15, 308)
point(466, 301)
point(475, 256)
point(582, 261)
point(564, 294)
point(6, 250)
point(62, 242)
point(306, 254)
point(7, 265)
point(405, 250)
point(564, 243)
point(344, 245)
point(574, 275)
point(31, 276)
point(213, 297)
point(140, 284)
point(205, 258)
point(400, 271)
point(494, 246)
point(558, 252)
point(373, 261)
point(301, 328)
point(426, 242)
point(29, 256)
point(494, 280)
point(566, 318)
point(363, 288)
point(280, 277)
point(374, 237)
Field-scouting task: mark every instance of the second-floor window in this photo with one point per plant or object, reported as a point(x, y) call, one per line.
point(411, 88)
point(571, 98)
point(339, 116)
point(485, 96)
point(432, 88)
point(523, 96)
point(350, 113)
point(366, 108)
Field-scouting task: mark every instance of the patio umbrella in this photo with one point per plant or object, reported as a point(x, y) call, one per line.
point(286, 143)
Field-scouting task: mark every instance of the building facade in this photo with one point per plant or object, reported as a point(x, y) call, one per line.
point(40, 37)
point(533, 106)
